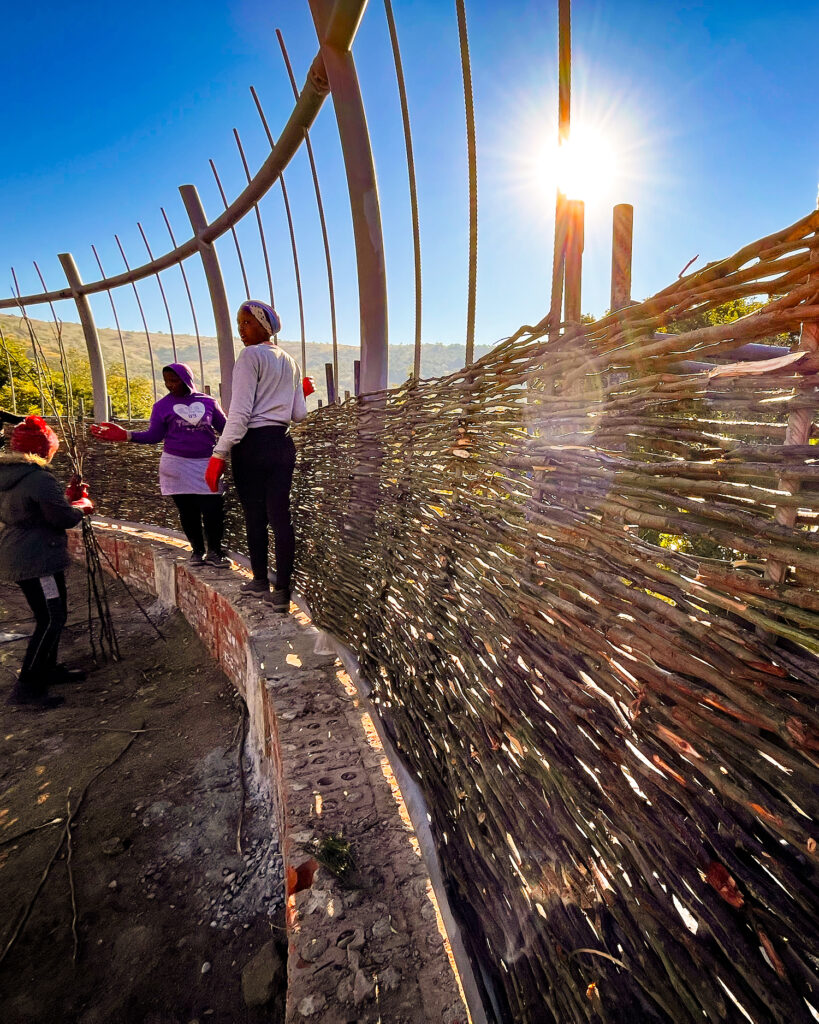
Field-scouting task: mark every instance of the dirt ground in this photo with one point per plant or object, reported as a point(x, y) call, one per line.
point(167, 912)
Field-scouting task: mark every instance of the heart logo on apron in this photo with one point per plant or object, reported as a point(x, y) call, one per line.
point(191, 414)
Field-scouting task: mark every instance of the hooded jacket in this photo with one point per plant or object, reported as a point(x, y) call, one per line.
point(187, 425)
point(34, 516)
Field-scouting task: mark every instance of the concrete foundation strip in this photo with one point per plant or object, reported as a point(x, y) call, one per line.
point(147, 557)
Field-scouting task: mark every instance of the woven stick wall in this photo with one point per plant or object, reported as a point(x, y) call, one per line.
point(617, 739)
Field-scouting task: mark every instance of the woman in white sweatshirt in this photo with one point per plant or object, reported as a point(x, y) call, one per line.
point(267, 394)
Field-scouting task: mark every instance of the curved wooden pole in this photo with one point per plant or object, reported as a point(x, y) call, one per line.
point(361, 184)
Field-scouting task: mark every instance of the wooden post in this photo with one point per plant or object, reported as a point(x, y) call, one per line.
point(331, 384)
point(357, 377)
point(574, 260)
point(346, 395)
point(207, 389)
point(622, 236)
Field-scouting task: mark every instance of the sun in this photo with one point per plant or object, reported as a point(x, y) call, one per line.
point(585, 167)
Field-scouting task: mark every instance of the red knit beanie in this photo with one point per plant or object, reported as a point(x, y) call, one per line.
point(34, 437)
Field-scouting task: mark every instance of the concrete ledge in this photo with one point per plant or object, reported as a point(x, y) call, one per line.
point(369, 949)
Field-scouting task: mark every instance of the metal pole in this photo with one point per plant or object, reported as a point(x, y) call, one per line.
point(471, 149)
point(216, 287)
point(574, 260)
point(416, 231)
point(142, 316)
point(20, 303)
point(232, 230)
point(121, 339)
point(258, 220)
point(190, 301)
point(564, 105)
point(320, 205)
point(11, 373)
point(622, 234)
point(92, 338)
point(161, 292)
point(363, 190)
point(291, 228)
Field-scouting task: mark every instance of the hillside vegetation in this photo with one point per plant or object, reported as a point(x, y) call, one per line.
point(436, 360)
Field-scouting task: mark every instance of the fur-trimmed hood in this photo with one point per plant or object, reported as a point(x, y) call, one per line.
point(14, 466)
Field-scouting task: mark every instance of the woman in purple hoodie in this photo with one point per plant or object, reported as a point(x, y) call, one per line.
point(188, 422)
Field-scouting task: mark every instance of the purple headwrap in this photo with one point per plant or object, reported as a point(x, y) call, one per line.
point(266, 315)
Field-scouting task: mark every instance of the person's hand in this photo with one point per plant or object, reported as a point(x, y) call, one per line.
point(109, 432)
point(308, 386)
point(77, 488)
point(85, 505)
point(216, 468)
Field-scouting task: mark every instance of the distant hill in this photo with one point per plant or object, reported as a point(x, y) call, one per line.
point(436, 360)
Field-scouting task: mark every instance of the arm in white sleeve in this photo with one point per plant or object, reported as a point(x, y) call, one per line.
point(245, 380)
point(299, 405)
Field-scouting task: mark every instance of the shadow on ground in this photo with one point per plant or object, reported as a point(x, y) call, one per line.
point(167, 913)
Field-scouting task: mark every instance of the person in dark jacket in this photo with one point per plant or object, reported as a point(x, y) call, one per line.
point(34, 516)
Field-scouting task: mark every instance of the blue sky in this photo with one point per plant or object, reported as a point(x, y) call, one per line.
point(710, 109)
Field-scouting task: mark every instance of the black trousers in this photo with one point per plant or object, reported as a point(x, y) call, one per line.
point(196, 509)
point(263, 463)
point(46, 596)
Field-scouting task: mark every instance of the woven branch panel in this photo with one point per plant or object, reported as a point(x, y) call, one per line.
point(552, 567)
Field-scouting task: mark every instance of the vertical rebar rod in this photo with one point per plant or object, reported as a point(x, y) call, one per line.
point(190, 301)
point(96, 361)
point(311, 157)
point(142, 314)
point(216, 287)
point(18, 293)
point(258, 213)
point(292, 235)
point(119, 333)
point(11, 373)
point(473, 182)
point(232, 229)
point(162, 293)
point(564, 110)
point(58, 337)
point(416, 231)
point(622, 235)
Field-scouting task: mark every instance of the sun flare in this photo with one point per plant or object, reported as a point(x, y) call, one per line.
point(585, 167)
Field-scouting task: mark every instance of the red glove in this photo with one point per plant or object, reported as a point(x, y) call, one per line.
point(85, 505)
point(77, 488)
point(216, 468)
point(308, 386)
point(109, 432)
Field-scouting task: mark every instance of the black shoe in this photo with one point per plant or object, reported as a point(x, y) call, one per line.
point(216, 559)
point(255, 587)
point(279, 599)
point(63, 674)
point(197, 558)
point(21, 697)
